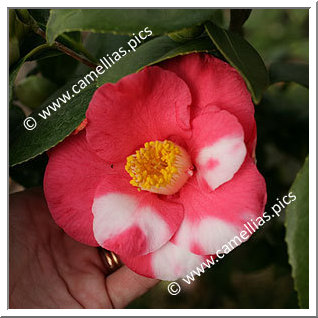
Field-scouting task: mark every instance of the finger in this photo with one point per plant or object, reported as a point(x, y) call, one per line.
point(124, 285)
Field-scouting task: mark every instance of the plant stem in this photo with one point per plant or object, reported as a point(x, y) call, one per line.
point(67, 51)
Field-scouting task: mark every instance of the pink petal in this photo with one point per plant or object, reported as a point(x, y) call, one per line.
point(150, 105)
point(170, 262)
point(132, 223)
point(214, 82)
point(217, 146)
point(71, 177)
point(214, 218)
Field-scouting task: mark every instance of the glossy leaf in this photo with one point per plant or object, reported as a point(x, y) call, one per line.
point(152, 52)
point(124, 21)
point(99, 44)
point(297, 234)
point(289, 72)
point(27, 144)
point(241, 55)
point(238, 18)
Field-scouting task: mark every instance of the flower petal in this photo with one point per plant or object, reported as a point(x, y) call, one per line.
point(217, 146)
point(170, 262)
point(214, 82)
point(71, 177)
point(150, 105)
point(214, 218)
point(132, 223)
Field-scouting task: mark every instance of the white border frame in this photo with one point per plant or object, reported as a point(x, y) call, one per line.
point(312, 165)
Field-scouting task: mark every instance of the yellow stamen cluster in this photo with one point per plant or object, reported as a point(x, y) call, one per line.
point(158, 166)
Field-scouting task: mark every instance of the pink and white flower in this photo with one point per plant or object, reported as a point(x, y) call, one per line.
point(163, 174)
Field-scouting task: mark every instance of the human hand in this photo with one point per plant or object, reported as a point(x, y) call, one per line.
point(48, 269)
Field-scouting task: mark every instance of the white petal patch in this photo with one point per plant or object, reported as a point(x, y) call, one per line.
point(154, 227)
point(113, 214)
point(228, 154)
point(209, 235)
point(116, 212)
point(171, 262)
point(213, 233)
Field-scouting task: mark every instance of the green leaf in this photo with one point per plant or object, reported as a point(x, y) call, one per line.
point(27, 144)
point(297, 234)
point(152, 52)
point(37, 18)
point(59, 69)
point(16, 27)
point(242, 56)
point(29, 42)
point(14, 50)
point(289, 72)
point(73, 40)
point(41, 16)
point(187, 34)
point(99, 44)
point(124, 21)
point(14, 70)
point(33, 90)
point(16, 116)
point(238, 18)
point(17, 32)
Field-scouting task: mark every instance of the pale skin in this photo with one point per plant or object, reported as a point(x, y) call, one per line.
point(48, 269)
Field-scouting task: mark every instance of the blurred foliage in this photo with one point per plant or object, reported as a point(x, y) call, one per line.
point(289, 72)
point(279, 34)
point(33, 90)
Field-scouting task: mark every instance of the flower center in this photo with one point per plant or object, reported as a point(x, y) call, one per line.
point(160, 167)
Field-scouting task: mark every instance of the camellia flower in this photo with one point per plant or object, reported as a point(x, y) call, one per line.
point(163, 173)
